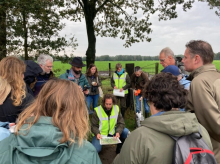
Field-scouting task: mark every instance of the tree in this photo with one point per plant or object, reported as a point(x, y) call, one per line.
point(128, 19)
point(33, 27)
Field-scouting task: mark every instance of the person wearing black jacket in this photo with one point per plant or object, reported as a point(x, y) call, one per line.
point(14, 97)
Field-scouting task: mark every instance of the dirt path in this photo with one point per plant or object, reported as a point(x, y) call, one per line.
point(107, 154)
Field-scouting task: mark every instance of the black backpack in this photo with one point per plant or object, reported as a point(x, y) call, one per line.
point(192, 149)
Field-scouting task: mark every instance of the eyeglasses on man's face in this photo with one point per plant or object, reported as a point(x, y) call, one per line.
point(162, 60)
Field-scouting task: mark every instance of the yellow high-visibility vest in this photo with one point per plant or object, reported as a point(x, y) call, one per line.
point(107, 125)
point(120, 81)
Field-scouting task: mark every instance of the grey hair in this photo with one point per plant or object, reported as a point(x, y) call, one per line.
point(137, 68)
point(167, 51)
point(43, 58)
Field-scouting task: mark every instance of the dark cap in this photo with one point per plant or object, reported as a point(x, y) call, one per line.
point(77, 62)
point(171, 69)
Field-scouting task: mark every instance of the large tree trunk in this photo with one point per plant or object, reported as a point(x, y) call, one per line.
point(91, 50)
point(2, 32)
point(89, 11)
point(25, 36)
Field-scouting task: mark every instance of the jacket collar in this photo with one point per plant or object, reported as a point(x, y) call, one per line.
point(202, 69)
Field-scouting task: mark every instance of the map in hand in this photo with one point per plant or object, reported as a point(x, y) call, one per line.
point(109, 141)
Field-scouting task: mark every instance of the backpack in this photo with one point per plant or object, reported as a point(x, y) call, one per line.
point(192, 149)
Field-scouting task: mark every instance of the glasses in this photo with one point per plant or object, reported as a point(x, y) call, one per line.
point(162, 60)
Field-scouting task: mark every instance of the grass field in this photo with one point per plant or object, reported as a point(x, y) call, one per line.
point(59, 68)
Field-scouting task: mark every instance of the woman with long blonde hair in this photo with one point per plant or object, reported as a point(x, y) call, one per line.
point(12, 70)
point(53, 129)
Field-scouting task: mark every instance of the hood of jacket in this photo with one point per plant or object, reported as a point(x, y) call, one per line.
point(41, 140)
point(175, 123)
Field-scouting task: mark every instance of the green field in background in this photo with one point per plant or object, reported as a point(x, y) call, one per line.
point(148, 66)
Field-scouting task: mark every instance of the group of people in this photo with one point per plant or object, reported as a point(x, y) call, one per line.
point(52, 115)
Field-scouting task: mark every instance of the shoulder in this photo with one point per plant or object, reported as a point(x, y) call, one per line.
point(64, 75)
point(86, 153)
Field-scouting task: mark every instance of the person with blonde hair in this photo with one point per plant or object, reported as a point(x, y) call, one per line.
point(53, 129)
point(12, 70)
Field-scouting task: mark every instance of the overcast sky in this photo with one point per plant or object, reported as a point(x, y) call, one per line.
point(199, 22)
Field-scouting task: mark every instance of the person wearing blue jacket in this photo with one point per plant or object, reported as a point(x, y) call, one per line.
point(75, 75)
point(176, 72)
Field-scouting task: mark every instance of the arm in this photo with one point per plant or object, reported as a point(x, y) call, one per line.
point(134, 150)
point(95, 124)
point(112, 82)
point(120, 124)
point(128, 83)
point(99, 82)
point(204, 100)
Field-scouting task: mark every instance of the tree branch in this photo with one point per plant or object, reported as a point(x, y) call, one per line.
point(126, 14)
point(81, 4)
point(101, 6)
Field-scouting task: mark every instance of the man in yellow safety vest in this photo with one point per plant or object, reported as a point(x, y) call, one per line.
point(108, 121)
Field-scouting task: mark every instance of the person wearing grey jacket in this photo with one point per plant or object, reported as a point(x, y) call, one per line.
point(151, 143)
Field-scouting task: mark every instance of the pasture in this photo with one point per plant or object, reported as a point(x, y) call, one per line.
point(59, 68)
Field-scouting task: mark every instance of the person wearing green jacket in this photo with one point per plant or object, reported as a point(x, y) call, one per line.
point(52, 130)
point(152, 142)
point(75, 75)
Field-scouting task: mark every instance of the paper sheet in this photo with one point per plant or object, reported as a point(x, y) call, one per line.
point(116, 92)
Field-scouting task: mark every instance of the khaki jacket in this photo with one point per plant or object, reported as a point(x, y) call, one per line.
point(204, 100)
point(151, 143)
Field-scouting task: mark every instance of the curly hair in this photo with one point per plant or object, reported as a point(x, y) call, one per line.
point(69, 113)
point(165, 91)
point(109, 96)
point(88, 72)
point(12, 69)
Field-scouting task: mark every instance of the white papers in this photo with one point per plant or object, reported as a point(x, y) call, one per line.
point(109, 141)
point(116, 92)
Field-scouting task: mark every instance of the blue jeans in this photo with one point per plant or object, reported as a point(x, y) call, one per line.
point(146, 107)
point(96, 143)
point(95, 99)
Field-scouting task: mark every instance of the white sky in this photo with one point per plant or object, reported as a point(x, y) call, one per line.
point(200, 22)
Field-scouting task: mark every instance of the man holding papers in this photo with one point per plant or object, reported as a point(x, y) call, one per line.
point(120, 82)
point(107, 121)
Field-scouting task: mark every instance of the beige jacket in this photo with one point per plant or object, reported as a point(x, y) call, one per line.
point(204, 100)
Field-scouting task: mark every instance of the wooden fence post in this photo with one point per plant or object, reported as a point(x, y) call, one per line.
point(109, 69)
point(156, 68)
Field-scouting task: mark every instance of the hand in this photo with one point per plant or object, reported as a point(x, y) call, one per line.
point(98, 136)
point(135, 91)
point(117, 135)
point(115, 87)
point(121, 89)
point(86, 92)
point(140, 98)
point(80, 88)
point(94, 84)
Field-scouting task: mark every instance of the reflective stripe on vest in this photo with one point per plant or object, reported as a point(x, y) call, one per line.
point(120, 81)
point(104, 122)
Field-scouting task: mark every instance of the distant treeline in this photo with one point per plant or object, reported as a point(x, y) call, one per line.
point(135, 57)
point(66, 59)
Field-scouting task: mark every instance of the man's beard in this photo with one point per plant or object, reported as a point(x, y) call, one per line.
point(77, 72)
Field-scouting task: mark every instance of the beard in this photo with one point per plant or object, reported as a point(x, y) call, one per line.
point(77, 72)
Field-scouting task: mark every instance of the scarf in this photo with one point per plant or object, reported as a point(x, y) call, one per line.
point(121, 72)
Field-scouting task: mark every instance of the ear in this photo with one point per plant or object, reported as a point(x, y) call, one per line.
point(198, 60)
